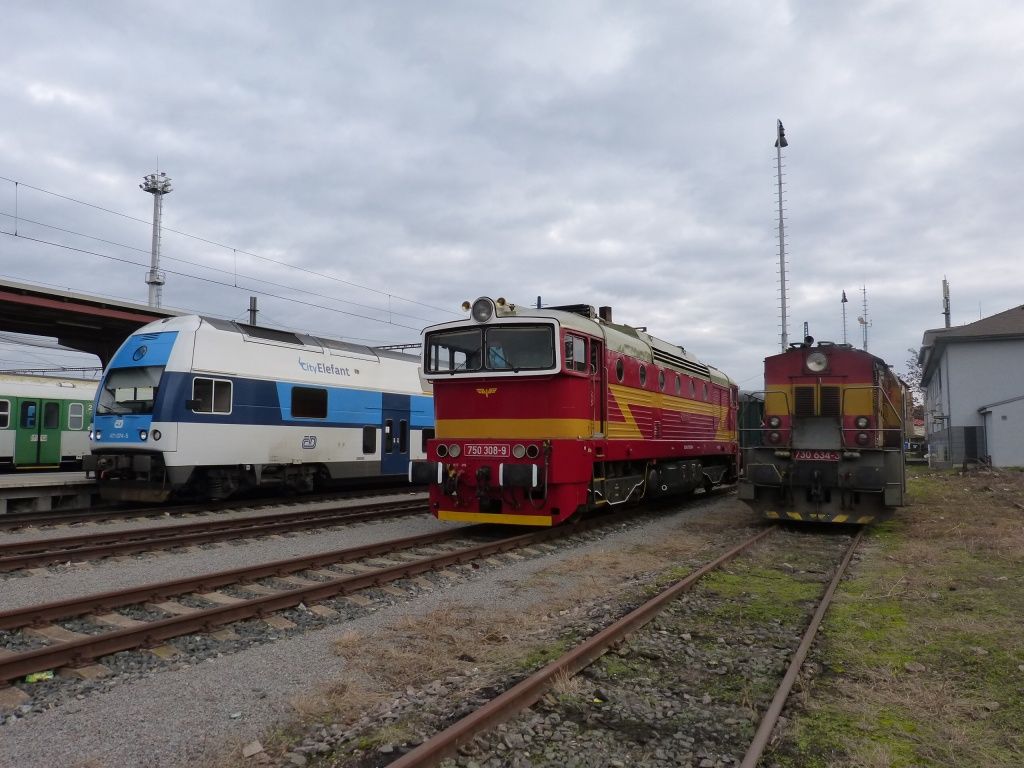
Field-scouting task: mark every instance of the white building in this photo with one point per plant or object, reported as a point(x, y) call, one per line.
point(973, 377)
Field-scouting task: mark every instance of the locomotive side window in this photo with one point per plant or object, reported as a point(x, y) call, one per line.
point(705, 390)
point(51, 415)
point(309, 403)
point(693, 389)
point(575, 353)
point(369, 439)
point(679, 384)
point(661, 380)
point(211, 396)
point(76, 416)
point(619, 369)
point(643, 375)
point(5, 414)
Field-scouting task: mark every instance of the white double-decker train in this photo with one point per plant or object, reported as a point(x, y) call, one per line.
point(199, 407)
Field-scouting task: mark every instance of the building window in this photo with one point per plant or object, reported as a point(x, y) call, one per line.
point(309, 403)
point(211, 396)
point(76, 416)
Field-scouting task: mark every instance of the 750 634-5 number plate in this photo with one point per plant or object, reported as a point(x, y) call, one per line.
point(815, 455)
point(487, 449)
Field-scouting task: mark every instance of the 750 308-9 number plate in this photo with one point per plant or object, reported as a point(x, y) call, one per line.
point(487, 449)
point(804, 455)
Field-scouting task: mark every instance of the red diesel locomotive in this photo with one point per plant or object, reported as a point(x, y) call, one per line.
point(542, 414)
point(831, 447)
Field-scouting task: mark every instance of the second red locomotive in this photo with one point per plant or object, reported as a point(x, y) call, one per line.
point(831, 445)
point(542, 414)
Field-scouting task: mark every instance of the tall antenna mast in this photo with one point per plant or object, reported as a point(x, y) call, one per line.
point(844, 302)
point(863, 319)
point(157, 184)
point(780, 142)
point(945, 300)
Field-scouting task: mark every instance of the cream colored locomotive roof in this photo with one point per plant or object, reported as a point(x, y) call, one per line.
point(625, 340)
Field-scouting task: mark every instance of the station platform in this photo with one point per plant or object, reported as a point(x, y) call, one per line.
point(42, 491)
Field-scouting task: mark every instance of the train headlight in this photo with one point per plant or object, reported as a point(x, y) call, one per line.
point(156, 434)
point(442, 450)
point(454, 450)
point(143, 435)
point(862, 438)
point(483, 309)
point(519, 450)
point(98, 436)
point(861, 422)
point(774, 422)
point(532, 451)
point(774, 437)
point(816, 361)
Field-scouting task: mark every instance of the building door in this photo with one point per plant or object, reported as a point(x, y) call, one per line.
point(37, 442)
point(394, 449)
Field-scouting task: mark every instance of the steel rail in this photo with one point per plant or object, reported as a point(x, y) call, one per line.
point(94, 646)
point(28, 554)
point(444, 744)
point(107, 601)
point(771, 716)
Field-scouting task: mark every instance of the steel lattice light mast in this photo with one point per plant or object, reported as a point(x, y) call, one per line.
point(780, 142)
point(158, 185)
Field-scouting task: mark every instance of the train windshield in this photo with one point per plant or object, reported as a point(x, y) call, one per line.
point(130, 390)
point(491, 348)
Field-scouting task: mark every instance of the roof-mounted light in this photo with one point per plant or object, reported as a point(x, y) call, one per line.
point(483, 309)
point(816, 362)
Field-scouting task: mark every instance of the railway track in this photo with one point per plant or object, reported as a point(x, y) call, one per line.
point(474, 733)
point(54, 646)
point(15, 520)
point(17, 555)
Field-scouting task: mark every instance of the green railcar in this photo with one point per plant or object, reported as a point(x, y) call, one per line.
point(44, 422)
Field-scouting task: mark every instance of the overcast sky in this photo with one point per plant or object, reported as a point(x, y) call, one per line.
point(389, 160)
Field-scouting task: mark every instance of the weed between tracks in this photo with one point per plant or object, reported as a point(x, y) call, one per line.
point(922, 650)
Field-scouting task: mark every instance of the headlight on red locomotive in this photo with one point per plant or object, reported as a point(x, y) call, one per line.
point(861, 422)
point(774, 422)
point(862, 438)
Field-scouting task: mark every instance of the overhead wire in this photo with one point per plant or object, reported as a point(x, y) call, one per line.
point(222, 245)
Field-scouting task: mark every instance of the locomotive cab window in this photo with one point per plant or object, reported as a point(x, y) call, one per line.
point(575, 353)
point(211, 396)
point(513, 348)
point(5, 414)
point(130, 390)
point(309, 403)
point(76, 416)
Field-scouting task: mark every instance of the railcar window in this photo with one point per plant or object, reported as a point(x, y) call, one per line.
point(76, 416)
point(426, 434)
point(5, 414)
point(213, 396)
point(309, 403)
point(643, 375)
point(661, 380)
point(51, 415)
point(454, 351)
point(575, 353)
point(693, 389)
point(130, 390)
point(389, 436)
point(705, 390)
point(369, 439)
point(619, 369)
point(403, 436)
point(679, 384)
point(29, 411)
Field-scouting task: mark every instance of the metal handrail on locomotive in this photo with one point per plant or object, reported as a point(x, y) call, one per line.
point(830, 448)
point(200, 407)
point(542, 414)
